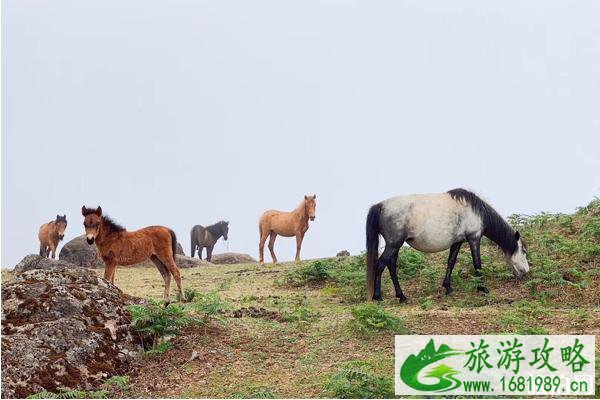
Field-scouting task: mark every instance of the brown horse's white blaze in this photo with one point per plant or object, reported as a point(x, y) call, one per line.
point(288, 224)
point(117, 246)
point(50, 234)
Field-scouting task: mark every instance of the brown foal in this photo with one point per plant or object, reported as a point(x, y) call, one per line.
point(50, 234)
point(117, 246)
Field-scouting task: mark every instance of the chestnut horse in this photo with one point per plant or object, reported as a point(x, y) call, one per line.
point(117, 246)
point(50, 234)
point(288, 224)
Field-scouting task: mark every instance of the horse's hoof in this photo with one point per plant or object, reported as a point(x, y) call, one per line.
point(449, 290)
point(483, 289)
point(402, 299)
point(378, 299)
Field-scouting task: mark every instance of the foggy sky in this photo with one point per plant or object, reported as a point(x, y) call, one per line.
point(187, 112)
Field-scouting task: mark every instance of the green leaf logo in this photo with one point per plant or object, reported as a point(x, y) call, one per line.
point(409, 371)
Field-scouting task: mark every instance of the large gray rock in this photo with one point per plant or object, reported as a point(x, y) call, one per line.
point(34, 261)
point(179, 249)
point(181, 261)
point(232, 258)
point(189, 262)
point(63, 328)
point(79, 252)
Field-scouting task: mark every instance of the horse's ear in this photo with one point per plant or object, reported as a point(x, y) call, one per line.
point(517, 235)
point(227, 223)
point(98, 211)
point(83, 209)
point(65, 217)
point(57, 216)
point(314, 196)
point(305, 197)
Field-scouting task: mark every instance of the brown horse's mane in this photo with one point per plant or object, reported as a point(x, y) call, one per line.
point(111, 225)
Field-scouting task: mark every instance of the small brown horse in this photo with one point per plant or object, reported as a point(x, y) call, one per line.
point(202, 237)
point(117, 246)
point(50, 234)
point(287, 224)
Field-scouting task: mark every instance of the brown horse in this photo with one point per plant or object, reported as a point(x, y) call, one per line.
point(202, 237)
point(117, 246)
point(50, 234)
point(288, 224)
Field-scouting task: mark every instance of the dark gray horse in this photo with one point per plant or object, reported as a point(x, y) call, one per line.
point(207, 237)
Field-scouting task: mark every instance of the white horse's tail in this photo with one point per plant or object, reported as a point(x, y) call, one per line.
point(372, 246)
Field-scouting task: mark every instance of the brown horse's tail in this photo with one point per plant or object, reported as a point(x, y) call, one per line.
point(372, 246)
point(173, 242)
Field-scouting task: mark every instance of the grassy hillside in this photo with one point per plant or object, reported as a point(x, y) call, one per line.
point(306, 331)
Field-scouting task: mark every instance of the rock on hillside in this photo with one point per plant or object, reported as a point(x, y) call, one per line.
point(79, 252)
point(62, 328)
point(189, 262)
point(343, 253)
point(34, 261)
point(181, 261)
point(179, 249)
point(232, 258)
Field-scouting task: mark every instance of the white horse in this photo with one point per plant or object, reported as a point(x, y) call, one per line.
point(432, 223)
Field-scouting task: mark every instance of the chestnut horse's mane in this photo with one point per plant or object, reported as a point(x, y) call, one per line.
point(112, 226)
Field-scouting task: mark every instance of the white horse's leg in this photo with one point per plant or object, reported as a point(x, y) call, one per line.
point(393, 268)
point(475, 254)
point(452, 256)
point(384, 261)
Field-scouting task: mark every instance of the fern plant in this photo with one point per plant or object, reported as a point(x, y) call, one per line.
point(370, 318)
point(155, 320)
point(71, 394)
point(354, 383)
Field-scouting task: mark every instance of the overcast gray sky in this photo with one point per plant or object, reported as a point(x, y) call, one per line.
point(187, 112)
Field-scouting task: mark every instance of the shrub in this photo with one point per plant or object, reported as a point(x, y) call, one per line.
point(155, 320)
point(410, 262)
point(72, 394)
point(119, 381)
point(314, 272)
point(118, 386)
point(371, 318)
point(355, 382)
point(189, 294)
point(300, 312)
point(349, 276)
point(209, 306)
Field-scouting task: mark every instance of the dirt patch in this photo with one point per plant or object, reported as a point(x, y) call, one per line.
point(257, 312)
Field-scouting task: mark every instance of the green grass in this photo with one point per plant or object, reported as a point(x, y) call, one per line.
point(371, 318)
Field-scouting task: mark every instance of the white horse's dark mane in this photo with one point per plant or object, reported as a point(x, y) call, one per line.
point(494, 226)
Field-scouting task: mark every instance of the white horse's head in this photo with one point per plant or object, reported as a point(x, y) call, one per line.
point(518, 260)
